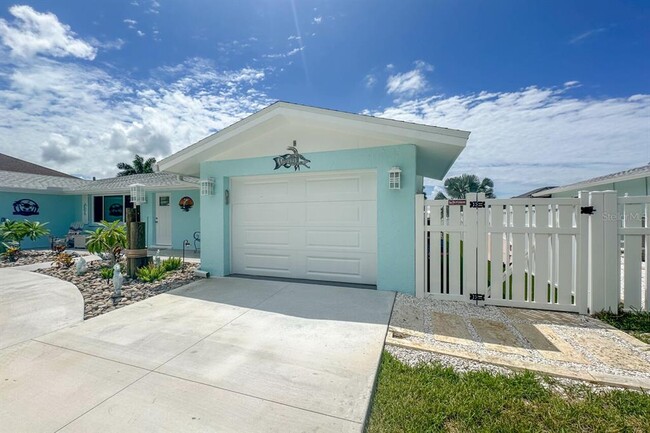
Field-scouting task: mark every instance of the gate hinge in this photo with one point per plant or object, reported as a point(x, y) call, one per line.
point(587, 210)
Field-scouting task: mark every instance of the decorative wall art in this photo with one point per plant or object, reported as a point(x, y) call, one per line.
point(294, 159)
point(25, 207)
point(186, 203)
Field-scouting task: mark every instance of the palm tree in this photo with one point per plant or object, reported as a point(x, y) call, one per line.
point(458, 186)
point(139, 166)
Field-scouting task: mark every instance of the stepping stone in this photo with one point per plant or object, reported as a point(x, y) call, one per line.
point(548, 343)
point(450, 328)
point(539, 316)
point(610, 352)
point(496, 336)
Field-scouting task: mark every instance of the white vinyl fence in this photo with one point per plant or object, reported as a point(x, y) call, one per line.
point(555, 254)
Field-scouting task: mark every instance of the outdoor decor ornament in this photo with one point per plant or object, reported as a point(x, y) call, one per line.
point(81, 266)
point(294, 159)
point(156, 258)
point(186, 203)
point(117, 281)
point(25, 207)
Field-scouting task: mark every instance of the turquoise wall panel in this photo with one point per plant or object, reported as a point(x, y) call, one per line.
point(59, 211)
point(395, 208)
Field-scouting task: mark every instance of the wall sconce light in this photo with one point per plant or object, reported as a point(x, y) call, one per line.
point(207, 186)
point(394, 178)
point(138, 196)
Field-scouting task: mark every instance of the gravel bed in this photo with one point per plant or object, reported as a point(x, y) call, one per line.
point(97, 291)
point(408, 310)
point(29, 257)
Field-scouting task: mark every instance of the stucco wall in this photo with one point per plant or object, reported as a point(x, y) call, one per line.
point(395, 209)
point(59, 211)
point(184, 224)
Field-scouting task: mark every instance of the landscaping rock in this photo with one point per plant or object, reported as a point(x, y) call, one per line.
point(97, 292)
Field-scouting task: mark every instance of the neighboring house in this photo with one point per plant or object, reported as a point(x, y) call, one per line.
point(633, 182)
point(62, 200)
point(537, 192)
point(324, 212)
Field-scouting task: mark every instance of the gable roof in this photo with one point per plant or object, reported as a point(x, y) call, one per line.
point(633, 173)
point(15, 181)
point(437, 147)
point(9, 163)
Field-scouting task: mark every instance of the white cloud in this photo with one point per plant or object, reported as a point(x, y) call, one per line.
point(317, 20)
point(537, 136)
point(409, 84)
point(140, 33)
point(582, 36)
point(130, 23)
point(60, 113)
point(32, 33)
point(284, 55)
point(369, 81)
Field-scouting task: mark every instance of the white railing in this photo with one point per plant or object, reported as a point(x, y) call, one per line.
point(536, 253)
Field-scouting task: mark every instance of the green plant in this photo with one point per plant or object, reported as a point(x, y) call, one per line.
point(108, 238)
point(17, 231)
point(171, 264)
point(150, 273)
point(63, 260)
point(11, 253)
point(106, 273)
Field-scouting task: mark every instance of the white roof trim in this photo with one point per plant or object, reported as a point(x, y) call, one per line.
point(377, 125)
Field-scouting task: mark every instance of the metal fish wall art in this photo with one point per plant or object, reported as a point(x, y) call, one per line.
point(294, 159)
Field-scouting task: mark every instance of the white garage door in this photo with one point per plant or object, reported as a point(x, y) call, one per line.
point(314, 226)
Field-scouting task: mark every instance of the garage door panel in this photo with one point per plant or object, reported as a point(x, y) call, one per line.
point(264, 237)
point(263, 262)
point(323, 227)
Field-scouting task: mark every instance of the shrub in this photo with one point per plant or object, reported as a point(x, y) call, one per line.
point(63, 260)
point(150, 273)
point(108, 238)
point(171, 264)
point(106, 273)
point(11, 253)
point(17, 231)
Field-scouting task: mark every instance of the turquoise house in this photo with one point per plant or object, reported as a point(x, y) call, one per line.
point(71, 205)
point(307, 193)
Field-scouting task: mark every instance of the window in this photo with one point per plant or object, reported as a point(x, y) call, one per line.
point(110, 207)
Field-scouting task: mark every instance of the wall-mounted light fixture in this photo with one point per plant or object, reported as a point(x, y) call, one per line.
point(394, 178)
point(138, 196)
point(207, 186)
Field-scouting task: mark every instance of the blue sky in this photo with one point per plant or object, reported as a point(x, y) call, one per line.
point(553, 92)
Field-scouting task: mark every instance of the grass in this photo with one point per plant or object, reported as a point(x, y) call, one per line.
point(432, 398)
point(636, 323)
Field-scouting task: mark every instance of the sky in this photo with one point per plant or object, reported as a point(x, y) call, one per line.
point(553, 92)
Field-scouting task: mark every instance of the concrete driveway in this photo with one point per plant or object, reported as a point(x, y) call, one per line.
point(217, 355)
point(34, 304)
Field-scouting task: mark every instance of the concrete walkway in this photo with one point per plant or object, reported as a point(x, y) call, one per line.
point(34, 304)
point(553, 343)
point(217, 355)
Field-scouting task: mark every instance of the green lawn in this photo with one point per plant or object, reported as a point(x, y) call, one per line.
point(431, 398)
point(636, 323)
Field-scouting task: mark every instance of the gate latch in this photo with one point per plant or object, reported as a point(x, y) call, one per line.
point(587, 210)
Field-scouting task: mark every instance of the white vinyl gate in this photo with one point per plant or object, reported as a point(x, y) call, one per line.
point(514, 252)
point(549, 253)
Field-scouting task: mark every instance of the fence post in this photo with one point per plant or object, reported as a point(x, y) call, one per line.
point(474, 246)
point(582, 280)
point(420, 252)
point(604, 267)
